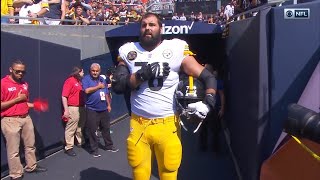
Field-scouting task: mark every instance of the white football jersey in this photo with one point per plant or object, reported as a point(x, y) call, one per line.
point(155, 98)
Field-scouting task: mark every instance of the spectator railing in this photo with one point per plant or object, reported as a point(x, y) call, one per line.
point(161, 7)
point(237, 17)
point(43, 19)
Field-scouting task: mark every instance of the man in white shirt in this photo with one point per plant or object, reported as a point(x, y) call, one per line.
point(182, 17)
point(175, 16)
point(229, 9)
point(32, 9)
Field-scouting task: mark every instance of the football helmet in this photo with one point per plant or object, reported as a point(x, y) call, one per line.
point(189, 95)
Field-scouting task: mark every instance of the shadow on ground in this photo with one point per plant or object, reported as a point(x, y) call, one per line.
point(99, 174)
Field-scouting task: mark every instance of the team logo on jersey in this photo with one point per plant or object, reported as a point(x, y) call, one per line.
point(25, 87)
point(186, 47)
point(132, 55)
point(10, 89)
point(167, 54)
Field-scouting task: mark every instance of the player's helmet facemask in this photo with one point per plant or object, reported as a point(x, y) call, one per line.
point(189, 95)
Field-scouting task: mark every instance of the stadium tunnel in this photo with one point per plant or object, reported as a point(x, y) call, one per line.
point(205, 40)
point(265, 69)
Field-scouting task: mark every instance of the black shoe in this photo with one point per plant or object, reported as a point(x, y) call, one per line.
point(112, 149)
point(96, 154)
point(38, 169)
point(70, 152)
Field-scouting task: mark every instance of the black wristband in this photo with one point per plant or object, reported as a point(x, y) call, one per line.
point(210, 99)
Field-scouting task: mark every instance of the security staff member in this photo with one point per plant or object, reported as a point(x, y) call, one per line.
point(16, 123)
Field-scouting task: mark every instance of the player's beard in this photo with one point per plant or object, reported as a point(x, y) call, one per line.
point(152, 41)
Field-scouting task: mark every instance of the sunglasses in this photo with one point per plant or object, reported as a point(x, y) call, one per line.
point(19, 71)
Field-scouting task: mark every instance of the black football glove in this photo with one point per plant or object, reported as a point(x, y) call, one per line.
point(156, 69)
point(210, 99)
point(160, 70)
point(145, 73)
point(165, 69)
point(153, 70)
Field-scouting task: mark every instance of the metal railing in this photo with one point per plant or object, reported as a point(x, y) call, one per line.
point(161, 7)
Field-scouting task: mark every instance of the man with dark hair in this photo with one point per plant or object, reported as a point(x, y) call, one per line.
point(16, 122)
point(150, 69)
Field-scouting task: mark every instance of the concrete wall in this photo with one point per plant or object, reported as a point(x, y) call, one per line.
point(89, 39)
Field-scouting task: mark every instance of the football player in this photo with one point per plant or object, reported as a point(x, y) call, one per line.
point(150, 70)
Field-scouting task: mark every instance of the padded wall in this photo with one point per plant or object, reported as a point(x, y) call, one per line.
point(295, 45)
point(270, 61)
point(48, 65)
point(247, 90)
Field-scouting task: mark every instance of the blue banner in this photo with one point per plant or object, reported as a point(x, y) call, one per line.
point(170, 27)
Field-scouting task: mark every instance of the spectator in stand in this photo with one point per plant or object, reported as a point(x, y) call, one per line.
point(244, 4)
point(106, 3)
point(130, 16)
point(99, 8)
point(175, 16)
point(199, 17)
point(94, 4)
point(92, 17)
point(7, 10)
point(221, 15)
point(211, 20)
point(253, 4)
point(74, 112)
point(81, 17)
point(229, 10)
point(123, 9)
point(192, 16)
point(136, 16)
point(115, 9)
point(16, 13)
point(114, 18)
point(31, 9)
point(82, 3)
point(70, 13)
point(182, 17)
point(101, 16)
point(57, 10)
point(140, 9)
point(238, 9)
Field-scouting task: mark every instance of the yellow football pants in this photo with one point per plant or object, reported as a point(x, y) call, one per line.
point(159, 136)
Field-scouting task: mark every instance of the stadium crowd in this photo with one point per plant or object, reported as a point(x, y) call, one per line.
point(108, 12)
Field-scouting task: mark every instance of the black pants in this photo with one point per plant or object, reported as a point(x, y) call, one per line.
point(211, 125)
point(97, 119)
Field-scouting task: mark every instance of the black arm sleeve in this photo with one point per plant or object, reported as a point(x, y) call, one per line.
point(208, 79)
point(121, 79)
